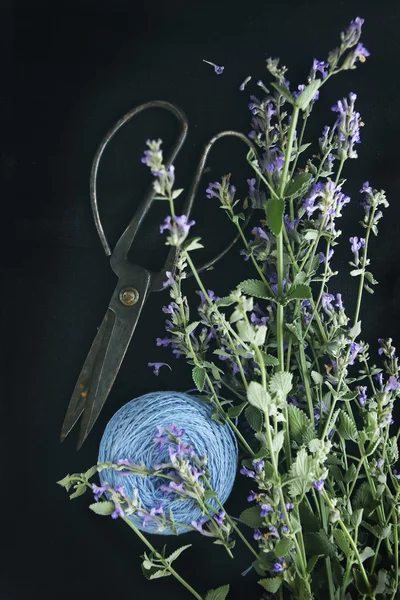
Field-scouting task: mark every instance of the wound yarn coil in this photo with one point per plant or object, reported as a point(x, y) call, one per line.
point(130, 433)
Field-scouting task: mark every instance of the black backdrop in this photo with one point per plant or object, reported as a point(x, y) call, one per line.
point(70, 71)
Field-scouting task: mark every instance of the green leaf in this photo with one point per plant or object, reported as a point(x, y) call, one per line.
point(300, 473)
point(102, 508)
point(299, 423)
point(310, 234)
point(356, 272)
point(312, 562)
point(283, 91)
point(271, 584)
point(177, 553)
point(361, 584)
point(210, 494)
point(383, 581)
point(224, 301)
point(355, 331)
point(392, 451)
point(370, 278)
point(299, 292)
point(199, 377)
point(319, 543)
point(193, 244)
point(258, 396)
point(309, 520)
point(342, 542)
point(350, 474)
point(281, 384)
point(274, 213)
point(317, 377)
point(256, 288)
point(65, 482)
point(254, 418)
point(235, 411)
point(277, 441)
point(303, 100)
point(159, 574)
point(363, 496)
point(366, 553)
point(259, 338)
point(270, 361)
point(79, 491)
point(356, 517)
point(347, 428)
point(90, 472)
point(190, 328)
point(297, 185)
point(219, 593)
point(283, 547)
point(252, 517)
point(176, 193)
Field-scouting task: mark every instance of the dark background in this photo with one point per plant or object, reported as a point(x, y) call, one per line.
point(70, 71)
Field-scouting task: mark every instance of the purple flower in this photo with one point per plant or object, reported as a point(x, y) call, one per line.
point(119, 489)
point(380, 463)
point(278, 566)
point(160, 437)
point(211, 295)
point(257, 535)
point(266, 509)
point(284, 529)
point(322, 257)
point(319, 66)
point(219, 518)
point(258, 465)
point(326, 301)
point(247, 472)
point(157, 366)
point(289, 506)
point(252, 496)
point(356, 244)
point(355, 349)
point(218, 70)
point(178, 433)
point(392, 385)
point(163, 341)
point(318, 485)
point(99, 490)
point(259, 232)
point(362, 396)
point(339, 303)
point(361, 53)
point(173, 487)
point(273, 531)
point(366, 188)
point(199, 525)
point(124, 461)
point(379, 379)
point(118, 512)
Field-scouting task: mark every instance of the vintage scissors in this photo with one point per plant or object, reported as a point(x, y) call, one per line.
point(134, 283)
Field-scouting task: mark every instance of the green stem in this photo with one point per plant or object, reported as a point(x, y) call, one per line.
point(167, 566)
point(328, 563)
point(364, 264)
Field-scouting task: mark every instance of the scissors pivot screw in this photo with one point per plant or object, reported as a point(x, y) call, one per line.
point(129, 296)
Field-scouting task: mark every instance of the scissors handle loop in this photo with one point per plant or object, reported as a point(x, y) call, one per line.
point(125, 241)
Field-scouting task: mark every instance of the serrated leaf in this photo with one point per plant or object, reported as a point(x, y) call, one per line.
point(272, 584)
point(274, 214)
point(319, 543)
point(350, 474)
point(270, 361)
point(254, 418)
point(246, 331)
point(300, 473)
point(177, 553)
point(224, 301)
point(311, 234)
point(235, 411)
point(311, 563)
point(176, 193)
point(65, 482)
point(299, 423)
point(299, 292)
point(309, 520)
point(301, 182)
point(355, 331)
point(199, 377)
point(79, 491)
point(383, 581)
point(370, 278)
point(356, 517)
point(281, 384)
point(255, 287)
point(258, 396)
point(210, 494)
point(102, 508)
point(366, 553)
point(283, 547)
point(159, 574)
point(361, 584)
point(259, 338)
point(190, 328)
point(252, 517)
point(219, 593)
point(303, 100)
point(347, 428)
point(392, 451)
point(363, 496)
point(342, 542)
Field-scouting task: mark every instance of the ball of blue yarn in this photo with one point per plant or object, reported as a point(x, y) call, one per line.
point(130, 433)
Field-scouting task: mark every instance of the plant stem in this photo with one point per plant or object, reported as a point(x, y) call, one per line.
point(364, 262)
point(167, 566)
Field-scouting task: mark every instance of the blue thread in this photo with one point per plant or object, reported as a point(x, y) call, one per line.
point(130, 433)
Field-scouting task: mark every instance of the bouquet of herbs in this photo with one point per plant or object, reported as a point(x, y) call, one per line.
point(280, 355)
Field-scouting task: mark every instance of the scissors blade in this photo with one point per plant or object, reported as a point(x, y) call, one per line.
point(111, 355)
point(80, 393)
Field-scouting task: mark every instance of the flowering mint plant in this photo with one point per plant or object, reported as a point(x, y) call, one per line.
point(311, 410)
